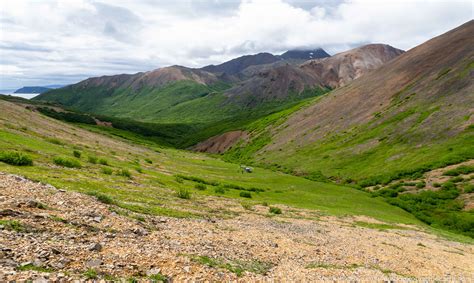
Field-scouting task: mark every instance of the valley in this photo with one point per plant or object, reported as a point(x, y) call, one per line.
point(303, 166)
point(127, 208)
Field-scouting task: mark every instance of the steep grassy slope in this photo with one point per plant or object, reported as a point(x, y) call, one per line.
point(413, 115)
point(142, 177)
point(414, 112)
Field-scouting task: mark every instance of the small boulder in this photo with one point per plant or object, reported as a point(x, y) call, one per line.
point(95, 247)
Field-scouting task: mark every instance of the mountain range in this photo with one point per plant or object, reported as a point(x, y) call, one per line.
point(214, 99)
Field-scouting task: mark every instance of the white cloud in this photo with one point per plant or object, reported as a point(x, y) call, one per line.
point(55, 41)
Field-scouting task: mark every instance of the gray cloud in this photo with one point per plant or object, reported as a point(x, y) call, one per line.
point(48, 42)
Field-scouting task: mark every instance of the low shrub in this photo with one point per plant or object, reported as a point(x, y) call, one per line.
point(66, 162)
point(103, 161)
point(245, 194)
point(461, 170)
point(456, 179)
point(55, 141)
point(448, 185)
point(198, 180)
point(12, 225)
point(200, 186)
point(124, 173)
point(219, 190)
point(421, 184)
point(76, 154)
point(139, 169)
point(16, 158)
point(101, 197)
point(247, 206)
point(92, 159)
point(184, 193)
point(91, 274)
point(147, 160)
point(274, 210)
point(469, 188)
point(179, 179)
point(107, 171)
point(436, 185)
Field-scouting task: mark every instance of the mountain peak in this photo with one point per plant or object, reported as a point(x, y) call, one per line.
point(304, 54)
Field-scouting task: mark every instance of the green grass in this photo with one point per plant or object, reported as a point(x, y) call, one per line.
point(331, 266)
point(32, 267)
point(236, 266)
point(91, 274)
point(378, 226)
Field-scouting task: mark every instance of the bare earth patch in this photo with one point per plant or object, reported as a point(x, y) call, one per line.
point(55, 234)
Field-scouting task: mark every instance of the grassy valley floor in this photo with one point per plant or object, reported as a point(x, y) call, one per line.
point(155, 211)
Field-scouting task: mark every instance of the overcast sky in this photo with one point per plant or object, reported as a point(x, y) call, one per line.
point(60, 42)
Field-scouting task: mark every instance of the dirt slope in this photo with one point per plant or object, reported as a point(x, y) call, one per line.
point(342, 68)
point(221, 143)
point(66, 235)
point(435, 75)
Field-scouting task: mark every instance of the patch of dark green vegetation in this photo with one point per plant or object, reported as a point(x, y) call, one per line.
point(197, 180)
point(16, 158)
point(378, 226)
point(417, 173)
point(184, 193)
point(76, 154)
point(245, 194)
point(437, 208)
point(67, 116)
point(91, 274)
point(124, 173)
point(32, 267)
point(103, 161)
point(460, 170)
point(101, 197)
point(331, 266)
point(200, 187)
point(66, 162)
point(274, 210)
point(12, 225)
point(106, 170)
point(180, 178)
point(235, 266)
point(155, 278)
point(92, 159)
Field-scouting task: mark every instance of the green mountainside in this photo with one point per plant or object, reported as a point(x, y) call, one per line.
point(383, 132)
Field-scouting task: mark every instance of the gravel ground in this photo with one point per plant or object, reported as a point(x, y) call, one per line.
point(72, 235)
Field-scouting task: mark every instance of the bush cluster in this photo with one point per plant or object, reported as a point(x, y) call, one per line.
point(16, 158)
point(274, 210)
point(66, 162)
point(438, 208)
point(184, 194)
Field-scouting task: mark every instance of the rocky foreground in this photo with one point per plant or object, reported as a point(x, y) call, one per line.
point(48, 234)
